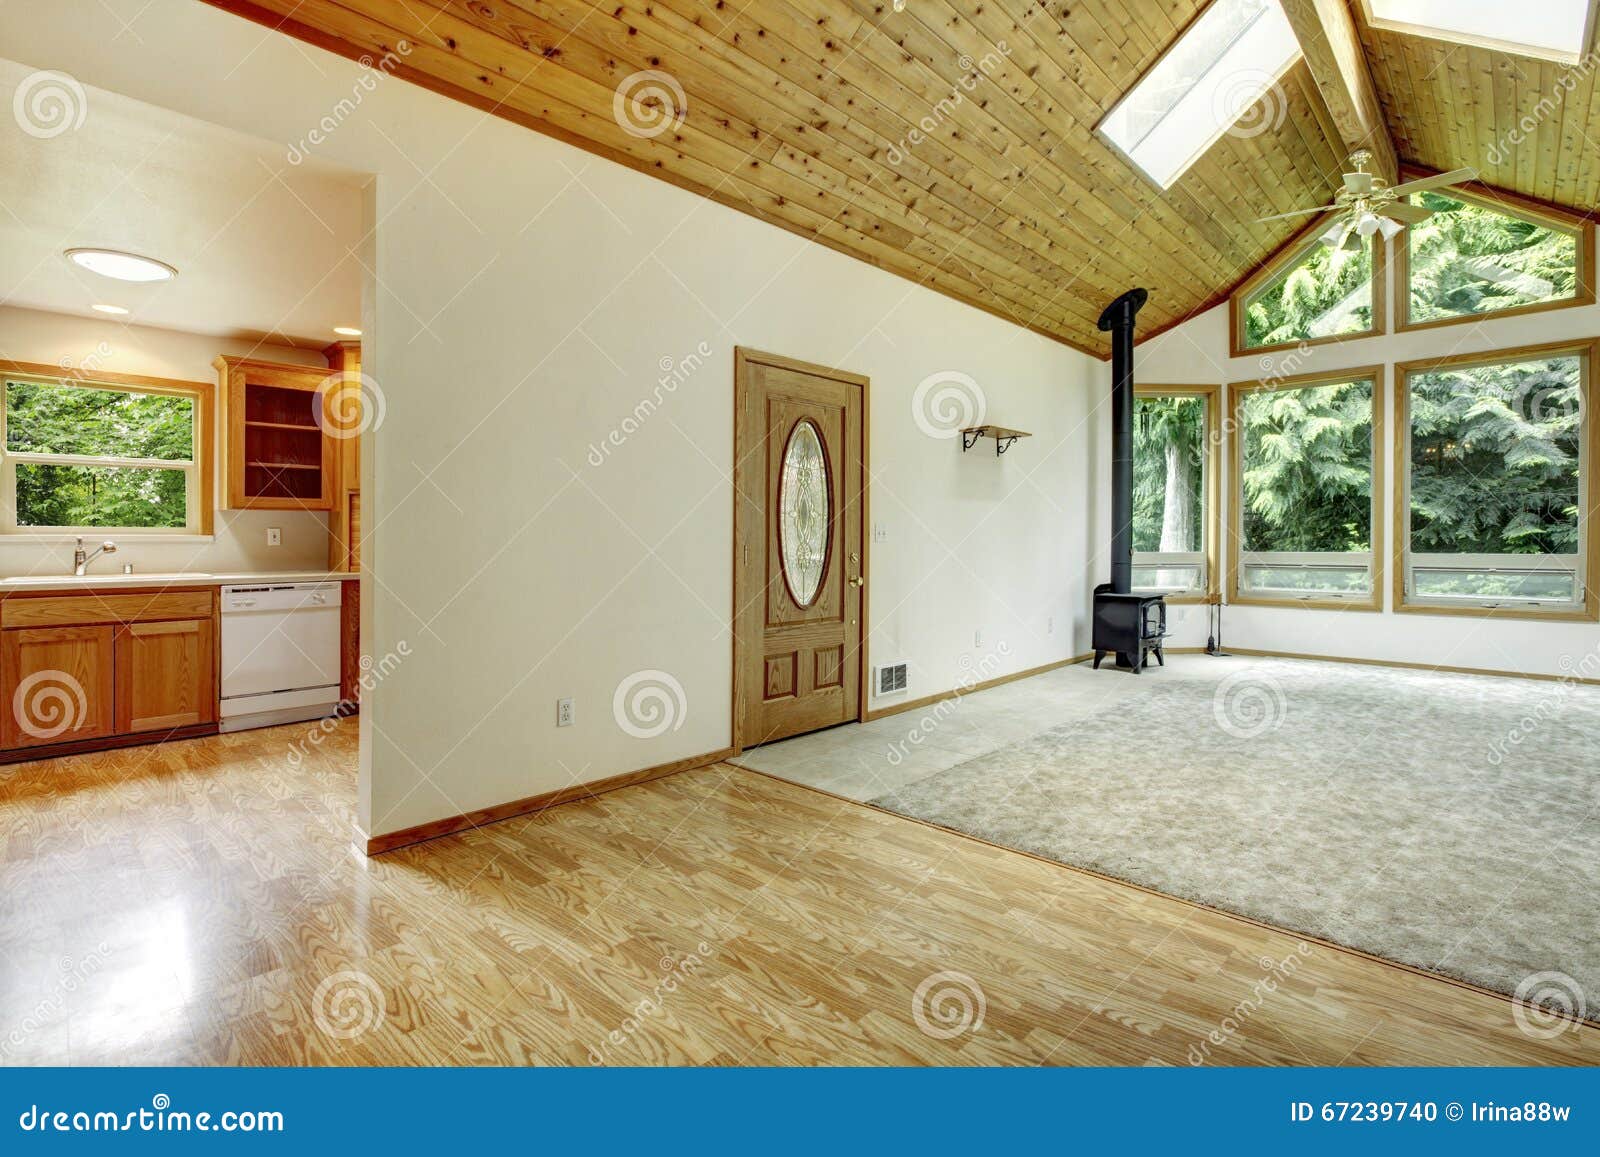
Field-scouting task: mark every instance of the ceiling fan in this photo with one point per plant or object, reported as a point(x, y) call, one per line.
point(1368, 204)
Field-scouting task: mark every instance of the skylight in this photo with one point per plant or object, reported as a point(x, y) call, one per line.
point(1222, 65)
point(1552, 29)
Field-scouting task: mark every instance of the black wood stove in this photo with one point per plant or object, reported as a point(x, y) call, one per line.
point(1129, 625)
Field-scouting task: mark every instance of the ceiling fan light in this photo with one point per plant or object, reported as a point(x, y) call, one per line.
point(1334, 235)
point(1391, 228)
point(1368, 224)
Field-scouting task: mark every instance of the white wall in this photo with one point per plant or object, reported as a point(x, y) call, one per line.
point(526, 298)
point(87, 345)
point(1197, 351)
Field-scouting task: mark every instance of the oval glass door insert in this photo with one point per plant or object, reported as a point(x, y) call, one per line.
point(803, 513)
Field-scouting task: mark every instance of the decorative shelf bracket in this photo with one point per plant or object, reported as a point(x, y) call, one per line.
point(1003, 438)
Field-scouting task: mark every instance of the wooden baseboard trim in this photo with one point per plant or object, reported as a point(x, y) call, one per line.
point(1467, 985)
point(388, 842)
point(1256, 653)
point(106, 743)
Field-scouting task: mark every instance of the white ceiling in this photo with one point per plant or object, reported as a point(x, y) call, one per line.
point(262, 246)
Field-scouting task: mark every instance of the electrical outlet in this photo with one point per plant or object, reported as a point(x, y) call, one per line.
point(1050, 625)
point(274, 536)
point(563, 712)
point(880, 532)
point(977, 638)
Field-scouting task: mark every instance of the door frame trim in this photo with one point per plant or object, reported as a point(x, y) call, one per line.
point(743, 359)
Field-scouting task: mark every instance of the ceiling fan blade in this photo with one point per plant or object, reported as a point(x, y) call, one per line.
point(1404, 213)
point(1297, 213)
point(1453, 177)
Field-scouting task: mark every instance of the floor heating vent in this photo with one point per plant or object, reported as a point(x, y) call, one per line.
point(891, 678)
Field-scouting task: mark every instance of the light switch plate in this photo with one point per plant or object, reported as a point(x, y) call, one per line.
point(274, 536)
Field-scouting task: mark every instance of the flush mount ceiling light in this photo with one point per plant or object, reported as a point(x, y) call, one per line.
point(1557, 30)
point(122, 266)
point(346, 331)
point(117, 309)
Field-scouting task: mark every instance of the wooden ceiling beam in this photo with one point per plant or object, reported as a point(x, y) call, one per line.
point(1328, 37)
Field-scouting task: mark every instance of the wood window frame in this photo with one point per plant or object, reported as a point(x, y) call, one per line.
point(1291, 252)
point(1512, 205)
point(1237, 392)
point(1589, 525)
point(204, 396)
point(1211, 522)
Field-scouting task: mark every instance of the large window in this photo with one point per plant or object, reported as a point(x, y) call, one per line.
point(1496, 492)
point(95, 456)
point(1476, 257)
point(1216, 71)
point(1306, 485)
point(1174, 441)
point(1312, 293)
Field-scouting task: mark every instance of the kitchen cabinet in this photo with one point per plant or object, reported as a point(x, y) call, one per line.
point(344, 523)
point(278, 447)
point(101, 667)
point(165, 675)
point(58, 684)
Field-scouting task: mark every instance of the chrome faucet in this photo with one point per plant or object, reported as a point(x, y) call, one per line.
point(80, 560)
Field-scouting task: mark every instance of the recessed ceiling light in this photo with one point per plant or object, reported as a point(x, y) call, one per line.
point(346, 331)
point(122, 266)
point(109, 308)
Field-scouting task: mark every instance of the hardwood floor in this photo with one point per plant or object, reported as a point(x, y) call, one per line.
point(201, 903)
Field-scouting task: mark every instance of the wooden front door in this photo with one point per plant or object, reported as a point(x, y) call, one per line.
point(799, 554)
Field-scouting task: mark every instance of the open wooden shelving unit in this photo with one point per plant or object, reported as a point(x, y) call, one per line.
point(277, 454)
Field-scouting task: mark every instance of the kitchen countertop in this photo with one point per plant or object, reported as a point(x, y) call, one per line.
point(91, 581)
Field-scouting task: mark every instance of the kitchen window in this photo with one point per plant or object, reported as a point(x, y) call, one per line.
point(1307, 482)
point(91, 455)
point(1175, 437)
point(1496, 452)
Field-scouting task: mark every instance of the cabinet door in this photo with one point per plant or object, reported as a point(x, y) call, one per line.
point(165, 675)
point(57, 683)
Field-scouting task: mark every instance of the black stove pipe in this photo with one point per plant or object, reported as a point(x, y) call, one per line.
point(1118, 321)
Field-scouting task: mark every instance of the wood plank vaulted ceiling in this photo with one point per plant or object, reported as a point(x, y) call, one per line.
point(807, 115)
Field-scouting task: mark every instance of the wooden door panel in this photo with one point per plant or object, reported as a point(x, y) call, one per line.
point(164, 675)
point(58, 684)
point(800, 649)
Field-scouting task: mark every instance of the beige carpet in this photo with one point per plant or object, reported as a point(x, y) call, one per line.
point(1448, 822)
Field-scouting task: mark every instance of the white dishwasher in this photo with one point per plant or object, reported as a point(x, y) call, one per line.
point(280, 653)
